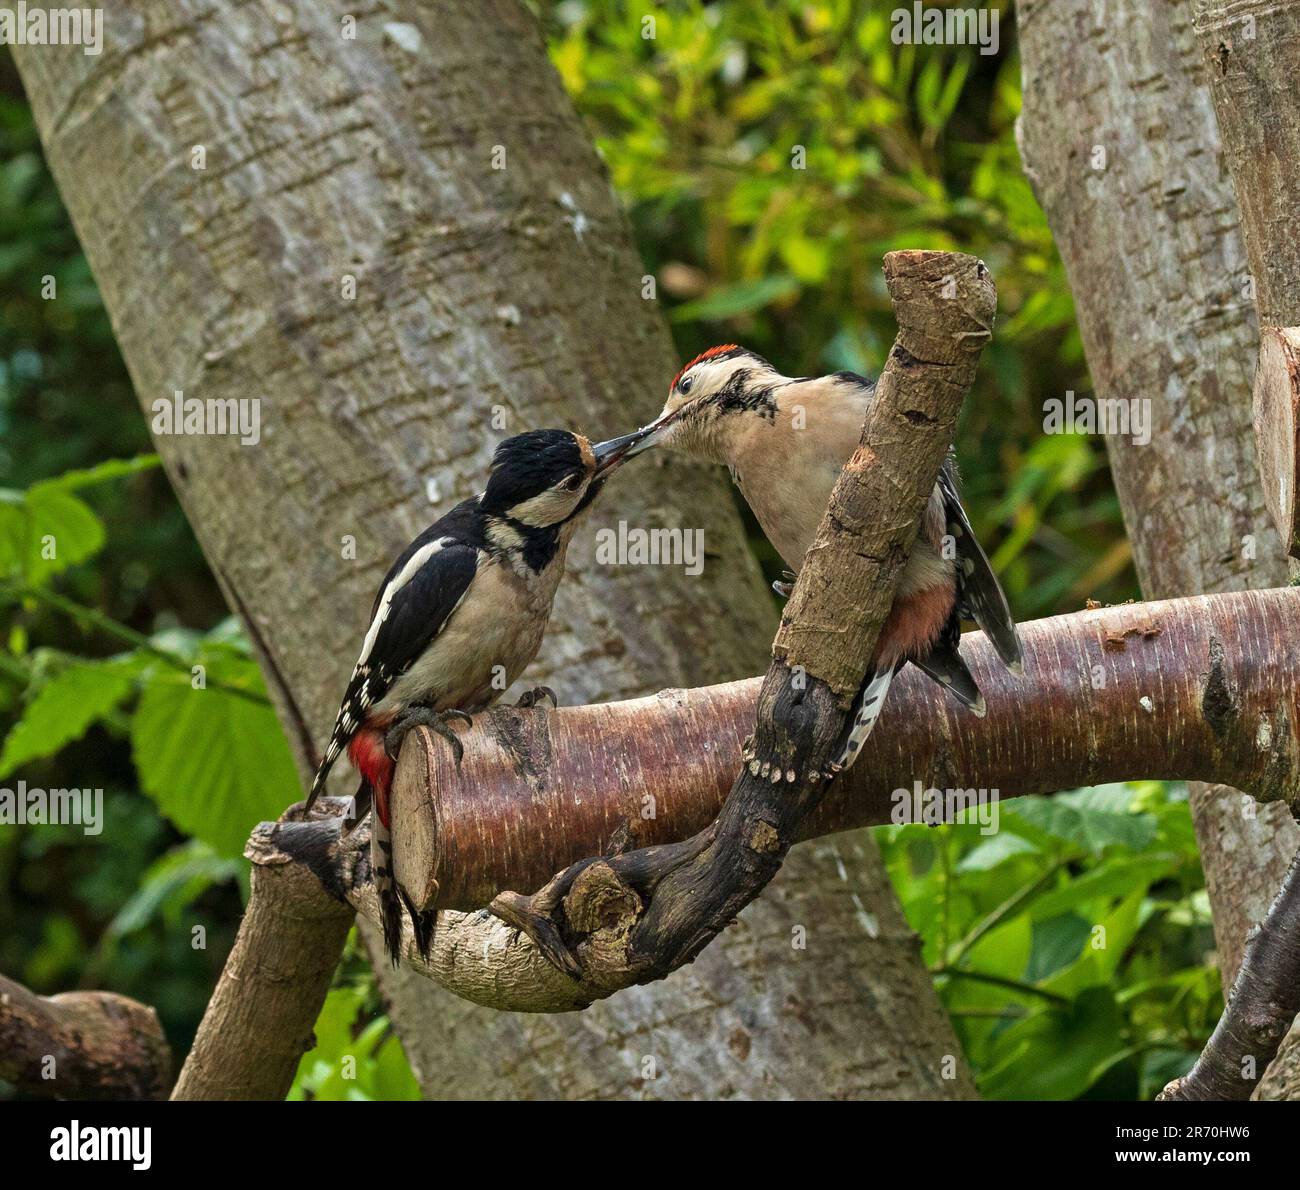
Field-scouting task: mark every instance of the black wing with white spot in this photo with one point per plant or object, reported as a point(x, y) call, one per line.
point(418, 595)
point(979, 594)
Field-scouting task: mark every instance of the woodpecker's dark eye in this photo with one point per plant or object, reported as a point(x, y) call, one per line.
point(684, 384)
point(570, 484)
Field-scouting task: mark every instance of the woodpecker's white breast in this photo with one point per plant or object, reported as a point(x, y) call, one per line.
point(488, 641)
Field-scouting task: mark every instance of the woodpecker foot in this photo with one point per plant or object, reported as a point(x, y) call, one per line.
point(435, 721)
point(530, 698)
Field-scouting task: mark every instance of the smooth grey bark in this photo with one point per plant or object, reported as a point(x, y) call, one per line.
point(487, 300)
point(1119, 139)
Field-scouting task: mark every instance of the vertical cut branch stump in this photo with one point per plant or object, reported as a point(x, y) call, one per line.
point(631, 918)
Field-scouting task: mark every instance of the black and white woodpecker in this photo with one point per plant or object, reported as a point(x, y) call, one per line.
point(458, 617)
point(786, 439)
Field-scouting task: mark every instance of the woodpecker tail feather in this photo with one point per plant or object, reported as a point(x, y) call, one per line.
point(865, 713)
point(981, 597)
point(327, 762)
point(393, 898)
point(944, 664)
point(390, 908)
point(422, 922)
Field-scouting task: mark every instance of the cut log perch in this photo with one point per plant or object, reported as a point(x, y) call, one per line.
point(1252, 50)
point(81, 1045)
point(1261, 1008)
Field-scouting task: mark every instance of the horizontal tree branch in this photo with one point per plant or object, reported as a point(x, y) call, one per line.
point(81, 1045)
point(1201, 688)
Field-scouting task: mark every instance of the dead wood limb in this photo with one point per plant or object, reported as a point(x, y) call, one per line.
point(636, 916)
point(276, 976)
point(81, 1045)
point(1262, 1006)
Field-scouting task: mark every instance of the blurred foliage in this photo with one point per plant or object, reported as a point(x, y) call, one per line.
point(1070, 945)
point(357, 1055)
point(701, 126)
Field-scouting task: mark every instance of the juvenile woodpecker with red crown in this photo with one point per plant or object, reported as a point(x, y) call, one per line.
point(786, 439)
point(465, 603)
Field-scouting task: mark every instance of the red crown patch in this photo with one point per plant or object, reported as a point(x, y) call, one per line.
point(712, 353)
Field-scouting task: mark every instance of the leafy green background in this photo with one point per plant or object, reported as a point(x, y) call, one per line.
point(1072, 947)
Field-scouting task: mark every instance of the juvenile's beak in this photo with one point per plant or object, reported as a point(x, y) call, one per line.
point(614, 453)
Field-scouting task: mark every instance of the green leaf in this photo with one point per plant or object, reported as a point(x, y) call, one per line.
point(1090, 818)
point(57, 531)
point(172, 883)
point(216, 763)
point(65, 708)
point(103, 472)
point(997, 850)
point(1056, 1055)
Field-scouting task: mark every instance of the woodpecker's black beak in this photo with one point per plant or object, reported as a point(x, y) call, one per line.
point(617, 451)
point(614, 453)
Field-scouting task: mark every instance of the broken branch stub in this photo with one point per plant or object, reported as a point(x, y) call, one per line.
point(633, 917)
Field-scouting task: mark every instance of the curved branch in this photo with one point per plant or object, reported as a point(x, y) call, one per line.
point(81, 1045)
point(1262, 1006)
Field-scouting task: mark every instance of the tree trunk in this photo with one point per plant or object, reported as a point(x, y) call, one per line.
point(233, 171)
point(1118, 137)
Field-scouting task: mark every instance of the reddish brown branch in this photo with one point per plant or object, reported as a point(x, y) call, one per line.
point(81, 1045)
point(541, 789)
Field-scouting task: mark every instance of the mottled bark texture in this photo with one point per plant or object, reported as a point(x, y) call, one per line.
point(1118, 137)
point(1200, 688)
point(232, 171)
point(635, 916)
point(1252, 54)
point(81, 1045)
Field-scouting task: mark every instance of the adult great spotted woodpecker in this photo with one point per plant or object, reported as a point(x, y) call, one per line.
point(786, 440)
point(458, 617)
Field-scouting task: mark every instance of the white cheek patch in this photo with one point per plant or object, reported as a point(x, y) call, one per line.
point(549, 508)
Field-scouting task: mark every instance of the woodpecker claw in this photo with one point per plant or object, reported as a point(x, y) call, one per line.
point(530, 698)
point(435, 721)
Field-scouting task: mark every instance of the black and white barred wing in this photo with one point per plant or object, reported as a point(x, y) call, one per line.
point(418, 595)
